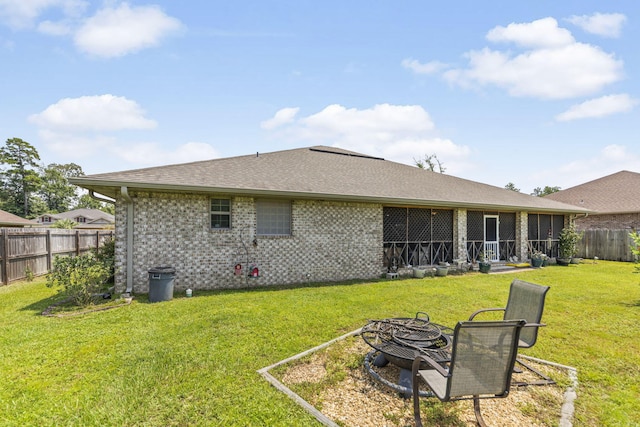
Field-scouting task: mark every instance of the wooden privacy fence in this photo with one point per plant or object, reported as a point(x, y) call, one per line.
point(32, 250)
point(612, 245)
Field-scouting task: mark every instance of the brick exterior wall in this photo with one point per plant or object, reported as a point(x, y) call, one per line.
point(330, 241)
point(609, 222)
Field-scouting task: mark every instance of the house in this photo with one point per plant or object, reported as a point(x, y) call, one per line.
point(614, 201)
point(10, 220)
point(85, 218)
point(311, 214)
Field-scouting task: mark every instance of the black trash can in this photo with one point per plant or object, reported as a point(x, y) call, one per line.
point(161, 283)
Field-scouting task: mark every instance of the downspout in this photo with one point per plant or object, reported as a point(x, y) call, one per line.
point(101, 199)
point(125, 195)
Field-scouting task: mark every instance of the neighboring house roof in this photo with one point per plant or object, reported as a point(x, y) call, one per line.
point(10, 220)
point(91, 216)
point(321, 173)
point(613, 194)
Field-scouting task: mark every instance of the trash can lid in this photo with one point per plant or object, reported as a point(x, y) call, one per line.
point(162, 270)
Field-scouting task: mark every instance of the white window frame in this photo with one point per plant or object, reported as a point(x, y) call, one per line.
point(214, 210)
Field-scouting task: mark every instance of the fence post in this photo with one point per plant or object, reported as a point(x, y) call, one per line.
point(5, 256)
point(49, 250)
point(77, 242)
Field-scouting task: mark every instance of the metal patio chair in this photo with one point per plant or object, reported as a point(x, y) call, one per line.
point(526, 301)
point(482, 359)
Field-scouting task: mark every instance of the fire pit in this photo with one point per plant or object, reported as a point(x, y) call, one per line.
point(400, 340)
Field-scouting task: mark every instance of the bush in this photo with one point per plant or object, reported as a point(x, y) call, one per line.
point(568, 241)
point(80, 277)
point(64, 223)
point(635, 248)
point(106, 254)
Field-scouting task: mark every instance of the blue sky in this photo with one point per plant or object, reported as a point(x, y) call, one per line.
point(530, 92)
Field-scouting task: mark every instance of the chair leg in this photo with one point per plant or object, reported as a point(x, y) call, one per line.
point(476, 409)
point(416, 401)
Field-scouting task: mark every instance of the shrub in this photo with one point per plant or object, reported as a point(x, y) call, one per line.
point(64, 223)
point(635, 248)
point(80, 277)
point(28, 274)
point(568, 241)
point(106, 254)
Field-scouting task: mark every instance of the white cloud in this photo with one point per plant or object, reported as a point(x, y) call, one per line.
point(21, 14)
point(383, 120)
point(400, 133)
point(541, 33)
point(283, 116)
point(114, 32)
point(556, 67)
point(85, 148)
point(599, 107)
point(80, 130)
point(93, 113)
point(602, 24)
point(427, 68)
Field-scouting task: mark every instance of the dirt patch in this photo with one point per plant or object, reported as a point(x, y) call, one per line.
point(335, 381)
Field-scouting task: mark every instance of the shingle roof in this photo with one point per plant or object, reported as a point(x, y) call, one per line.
point(616, 193)
point(9, 219)
point(91, 214)
point(321, 173)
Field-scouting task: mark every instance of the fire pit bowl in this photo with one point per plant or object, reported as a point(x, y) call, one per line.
point(400, 340)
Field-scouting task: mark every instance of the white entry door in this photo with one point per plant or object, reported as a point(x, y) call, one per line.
point(491, 237)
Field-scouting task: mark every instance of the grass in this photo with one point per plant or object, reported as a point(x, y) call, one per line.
point(193, 361)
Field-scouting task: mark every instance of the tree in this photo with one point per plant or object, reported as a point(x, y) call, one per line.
point(56, 191)
point(430, 162)
point(87, 202)
point(541, 192)
point(20, 180)
point(511, 186)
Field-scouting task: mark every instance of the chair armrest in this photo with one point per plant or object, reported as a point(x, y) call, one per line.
point(475, 313)
point(435, 365)
point(534, 325)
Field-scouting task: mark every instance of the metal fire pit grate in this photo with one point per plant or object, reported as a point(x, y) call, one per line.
point(400, 340)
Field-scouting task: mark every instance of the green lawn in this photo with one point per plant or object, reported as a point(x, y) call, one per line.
point(193, 361)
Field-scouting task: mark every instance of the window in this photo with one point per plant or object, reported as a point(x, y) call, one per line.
point(80, 219)
point(274, 217)
point(220, 213)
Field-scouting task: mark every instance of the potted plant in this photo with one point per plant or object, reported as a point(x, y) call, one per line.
point(484, 265)
point(567, 244)
point(442, 270)
point(419, 273)
point(537, 259)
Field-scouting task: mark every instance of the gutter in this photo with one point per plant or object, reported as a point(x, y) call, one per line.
point(101, 199)
point(129, 225)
